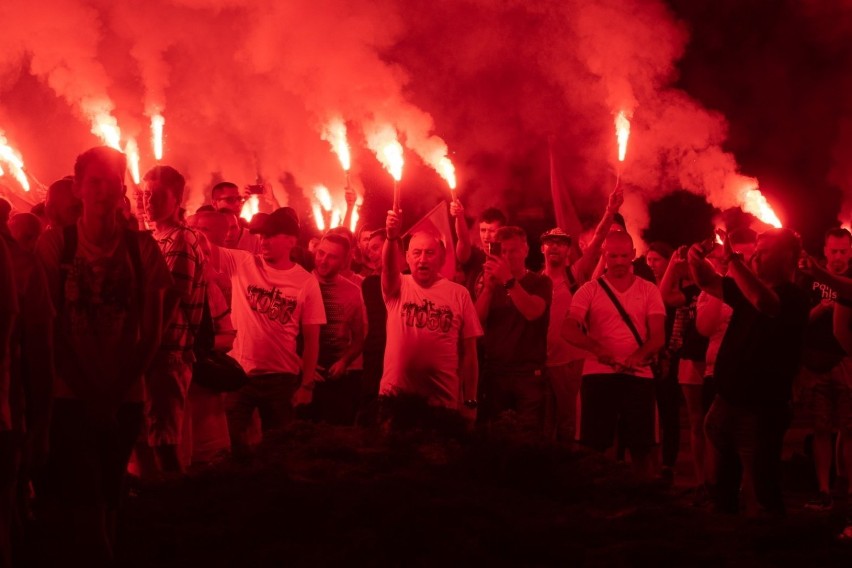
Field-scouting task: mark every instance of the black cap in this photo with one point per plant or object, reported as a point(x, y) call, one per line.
point(279, 222)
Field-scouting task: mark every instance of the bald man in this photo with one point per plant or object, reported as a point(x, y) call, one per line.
point(427, 317)
point(619, 320)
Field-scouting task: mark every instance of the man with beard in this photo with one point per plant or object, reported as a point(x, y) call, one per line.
point(618, 319)
point(432, 326)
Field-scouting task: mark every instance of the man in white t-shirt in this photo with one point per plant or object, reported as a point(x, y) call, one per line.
point(273, 301)
point(616, 384)
point(427, 317)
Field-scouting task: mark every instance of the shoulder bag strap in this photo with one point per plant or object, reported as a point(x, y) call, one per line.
point(621, 310)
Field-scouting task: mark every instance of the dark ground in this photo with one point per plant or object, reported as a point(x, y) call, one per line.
point(320, 495)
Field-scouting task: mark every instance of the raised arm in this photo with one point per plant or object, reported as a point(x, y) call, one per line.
point(762, 297)
point(670, 284)
point(351, 197)
point(391, 269)
point(584, 268)
point(702, 272)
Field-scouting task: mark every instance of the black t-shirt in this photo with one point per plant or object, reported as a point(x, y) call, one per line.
point(511, 342)
point(473, 272)
point(759, 356)
point(821, 349)
point(377, 318)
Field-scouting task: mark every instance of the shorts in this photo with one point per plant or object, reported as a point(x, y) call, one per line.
point(831, 398)
point(168, 382)
point(615, 401)
point(691, 372)
point(89, 454)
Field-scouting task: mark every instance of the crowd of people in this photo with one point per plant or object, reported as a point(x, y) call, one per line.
point(161, 349)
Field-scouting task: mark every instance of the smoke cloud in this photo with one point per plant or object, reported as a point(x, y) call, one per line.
point(248, 87)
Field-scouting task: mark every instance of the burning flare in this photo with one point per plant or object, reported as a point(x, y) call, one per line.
point(157, 123)
point(392, 160)
point(323, 197)
point(319, 218)
point(14, 163)
point(622, 134)
point(447, 170)
point(105, 127)
point(752, 201)
point(335, 134)
point(131, 150)
point(353, 222)
point(251, 207)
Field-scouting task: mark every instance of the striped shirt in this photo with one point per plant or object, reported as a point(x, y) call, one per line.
point(180, 248)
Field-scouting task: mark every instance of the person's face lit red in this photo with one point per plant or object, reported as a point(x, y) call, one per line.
point(488, 232)
point(657, 264)
point(229, 198)
point(555, 252)
point(100, 190)
point(425, 256)
point(232, 233)
point(160, 201)
point(276, 248)
point(213, 225)
point(374, 251)
point(364, 241)
point(837, 251)
point(619, 255)
point(329, 259)
point(515, 251)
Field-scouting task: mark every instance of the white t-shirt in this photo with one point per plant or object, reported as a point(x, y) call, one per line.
point(424, 328)
point(593, 307)
point(268, 306)
point(703, 303)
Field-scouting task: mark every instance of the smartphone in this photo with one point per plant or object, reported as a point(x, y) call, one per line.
point(495, 249)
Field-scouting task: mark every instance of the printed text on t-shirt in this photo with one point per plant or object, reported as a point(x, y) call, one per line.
point(272, 303)
point(428, 315)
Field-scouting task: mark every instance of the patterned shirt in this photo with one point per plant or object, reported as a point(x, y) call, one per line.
point(179, 246)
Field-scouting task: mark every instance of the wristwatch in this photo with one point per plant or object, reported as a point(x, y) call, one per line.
point(736, 256)
point(510, 283)
point(471, 404)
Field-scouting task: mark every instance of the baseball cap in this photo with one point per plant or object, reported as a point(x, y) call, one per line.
point(556, 234)
point(280, 222)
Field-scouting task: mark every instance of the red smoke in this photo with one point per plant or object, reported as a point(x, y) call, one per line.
point(248, 86)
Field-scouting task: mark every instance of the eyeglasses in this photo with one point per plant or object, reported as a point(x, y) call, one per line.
point(232, 199)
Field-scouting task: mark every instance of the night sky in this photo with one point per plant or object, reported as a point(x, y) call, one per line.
point(780, 72)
